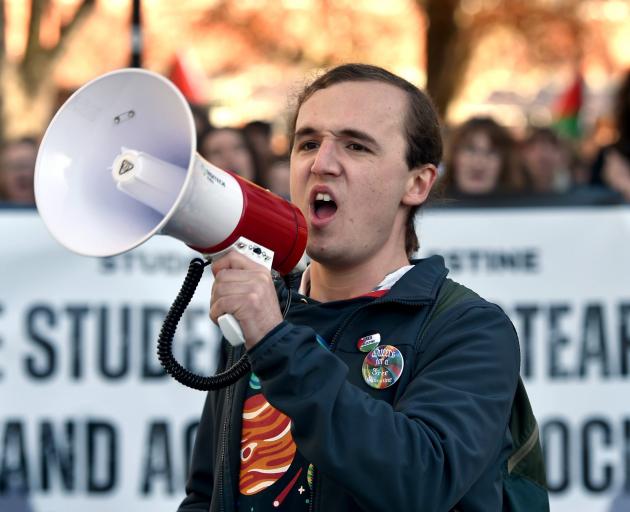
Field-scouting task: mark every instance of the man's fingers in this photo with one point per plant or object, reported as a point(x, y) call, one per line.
point(237, 305)
point(230, 275)
point(233, 260)
point(233, 287)
point(228, 304)
point(244, 289)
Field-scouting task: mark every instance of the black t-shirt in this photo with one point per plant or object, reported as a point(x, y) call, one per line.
point(274, 475)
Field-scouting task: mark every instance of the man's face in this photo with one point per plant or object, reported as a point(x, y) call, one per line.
point(348, 171)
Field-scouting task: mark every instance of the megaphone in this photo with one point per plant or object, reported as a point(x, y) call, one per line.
point(118, 164)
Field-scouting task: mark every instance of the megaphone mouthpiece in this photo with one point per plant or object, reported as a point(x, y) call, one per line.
point(147, 179)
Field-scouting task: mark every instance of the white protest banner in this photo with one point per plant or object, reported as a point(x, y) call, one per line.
point(563, 277)
point(89, 420)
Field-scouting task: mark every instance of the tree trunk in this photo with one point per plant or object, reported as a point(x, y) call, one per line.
point(448, 51)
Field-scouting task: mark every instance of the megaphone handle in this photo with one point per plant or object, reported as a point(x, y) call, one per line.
point(257, 253)
point(231, 330)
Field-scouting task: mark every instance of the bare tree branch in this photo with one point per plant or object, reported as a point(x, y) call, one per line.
point(448, 52)
point(254, 29)
point(553, 31)
point(37, 61)
point(33, 47)
point(82, 12)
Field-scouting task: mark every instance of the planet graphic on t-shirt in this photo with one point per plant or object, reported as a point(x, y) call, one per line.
point(267, 447)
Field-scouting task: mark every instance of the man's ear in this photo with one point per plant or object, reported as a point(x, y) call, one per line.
point(419, 184)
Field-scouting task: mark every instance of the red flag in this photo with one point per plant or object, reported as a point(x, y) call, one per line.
point(188, 78)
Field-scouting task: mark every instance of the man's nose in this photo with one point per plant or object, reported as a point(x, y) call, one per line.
point(326, 159)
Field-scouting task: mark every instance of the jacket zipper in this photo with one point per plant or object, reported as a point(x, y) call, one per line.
point(224, 463)
point(311, 503)
point(224, 434)
point(333, 345)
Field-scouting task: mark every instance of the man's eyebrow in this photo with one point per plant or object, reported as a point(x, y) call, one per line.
point(307, 131)
point(357, 134)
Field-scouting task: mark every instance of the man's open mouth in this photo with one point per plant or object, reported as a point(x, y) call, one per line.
point(323, 206)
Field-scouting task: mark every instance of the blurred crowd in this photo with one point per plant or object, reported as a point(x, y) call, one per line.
point(485, 163)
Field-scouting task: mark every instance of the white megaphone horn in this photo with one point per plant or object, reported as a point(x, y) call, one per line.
point(118, 164)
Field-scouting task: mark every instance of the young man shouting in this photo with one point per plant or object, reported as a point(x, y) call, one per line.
point(351, 404)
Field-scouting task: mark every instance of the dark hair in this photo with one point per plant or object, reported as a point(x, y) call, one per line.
point(421, 123)
point(500, 140)
point(542, 134)
point(26, 139)
point(258, 126)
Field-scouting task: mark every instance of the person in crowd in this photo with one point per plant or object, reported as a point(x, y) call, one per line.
point(228, 149)
point(17, 169)
point(612, 164)
point(546, 162)
point(258, 133)
point(349, 406)
point(277, 177)
point(481, 161)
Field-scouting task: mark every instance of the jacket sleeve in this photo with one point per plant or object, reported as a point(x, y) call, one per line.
point(425, 451)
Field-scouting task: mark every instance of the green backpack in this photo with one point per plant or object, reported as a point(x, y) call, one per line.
point(524, 478)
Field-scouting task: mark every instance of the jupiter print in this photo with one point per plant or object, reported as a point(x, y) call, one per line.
point(267, 447)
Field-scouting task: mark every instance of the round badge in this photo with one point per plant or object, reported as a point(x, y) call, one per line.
point(369, 342)
point(383, 367)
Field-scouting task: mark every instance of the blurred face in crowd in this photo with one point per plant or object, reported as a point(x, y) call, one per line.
point(477, 165)
point(227, 149)
point(543, 159)
point(261, 142)
point(17, 168)
point(349, 174)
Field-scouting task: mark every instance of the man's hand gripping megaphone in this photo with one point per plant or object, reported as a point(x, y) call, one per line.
point(243, 294)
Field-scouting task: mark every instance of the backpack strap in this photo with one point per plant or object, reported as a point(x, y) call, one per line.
point(526, 460)
point(449, 294)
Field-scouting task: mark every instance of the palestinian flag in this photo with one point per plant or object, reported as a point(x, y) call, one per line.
point(566, 110)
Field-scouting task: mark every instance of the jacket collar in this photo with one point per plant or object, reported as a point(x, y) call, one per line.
point(420, 284)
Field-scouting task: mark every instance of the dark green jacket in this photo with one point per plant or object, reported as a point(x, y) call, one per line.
point(435, 441)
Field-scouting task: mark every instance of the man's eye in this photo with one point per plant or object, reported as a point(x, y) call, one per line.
point(308, 145)
point(354, 146)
